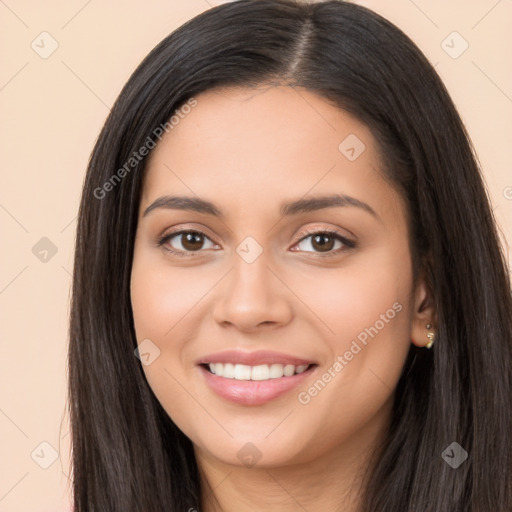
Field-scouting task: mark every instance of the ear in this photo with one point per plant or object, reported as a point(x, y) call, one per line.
point(424, 313)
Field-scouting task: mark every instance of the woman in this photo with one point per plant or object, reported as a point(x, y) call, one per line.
point(289, 292)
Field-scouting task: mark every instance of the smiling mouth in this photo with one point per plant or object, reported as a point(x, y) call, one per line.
point(259, 372)
point(254, 384)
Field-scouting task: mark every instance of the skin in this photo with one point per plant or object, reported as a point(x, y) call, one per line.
point(248, 151)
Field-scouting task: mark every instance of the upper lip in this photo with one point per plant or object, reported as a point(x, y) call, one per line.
point(253, 358)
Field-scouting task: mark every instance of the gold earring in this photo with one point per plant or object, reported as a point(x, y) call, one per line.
point(431, 337)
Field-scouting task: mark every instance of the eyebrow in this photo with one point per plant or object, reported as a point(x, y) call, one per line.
point(299, 206)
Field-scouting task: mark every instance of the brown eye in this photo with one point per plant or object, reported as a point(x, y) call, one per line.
point(192, 241)
point(325, 242)
point(182, 242)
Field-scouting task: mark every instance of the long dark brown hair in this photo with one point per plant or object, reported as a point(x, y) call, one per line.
point(127, 454)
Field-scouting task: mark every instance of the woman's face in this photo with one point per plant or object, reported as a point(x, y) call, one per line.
point(306, 331)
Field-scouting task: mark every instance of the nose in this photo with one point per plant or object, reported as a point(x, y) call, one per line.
point(252, 296)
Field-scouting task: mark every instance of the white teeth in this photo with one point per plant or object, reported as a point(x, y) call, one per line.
point(289, 370)
point(228, 371)
point(301, 368)
point(276, 371)
point(259, 372)
point(242, 371)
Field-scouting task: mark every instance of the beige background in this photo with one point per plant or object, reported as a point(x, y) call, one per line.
point(51, 112)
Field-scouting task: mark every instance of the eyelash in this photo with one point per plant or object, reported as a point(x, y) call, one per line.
point(349, 244)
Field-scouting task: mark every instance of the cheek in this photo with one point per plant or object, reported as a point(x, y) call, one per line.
point(163, 302)
point(365, 315)
point(368, 299)
point(162, 296)
point(169, 304)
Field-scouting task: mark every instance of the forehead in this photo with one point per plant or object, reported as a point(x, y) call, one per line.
point(259, 146)
point(276, 119)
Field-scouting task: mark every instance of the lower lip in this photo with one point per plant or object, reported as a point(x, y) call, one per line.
point(254, 392)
